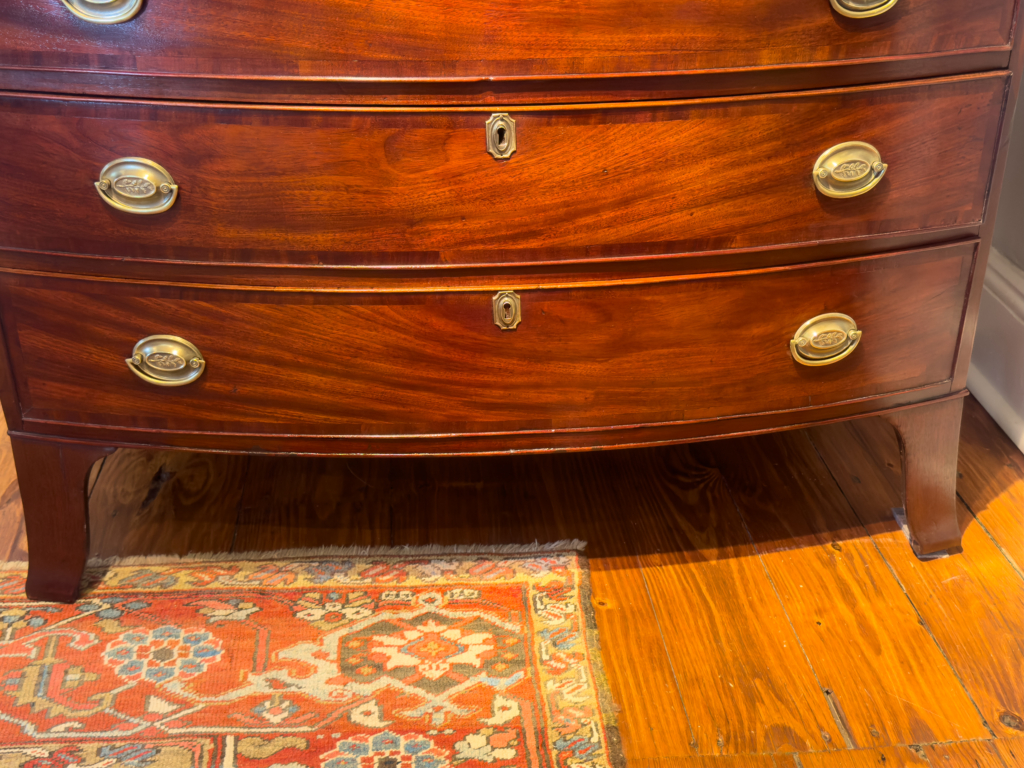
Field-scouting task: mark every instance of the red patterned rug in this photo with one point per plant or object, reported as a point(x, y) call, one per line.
point(332, 659)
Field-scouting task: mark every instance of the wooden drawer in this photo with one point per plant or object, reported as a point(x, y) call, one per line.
point(434, 362)
point(331, 186)
point(440, 39)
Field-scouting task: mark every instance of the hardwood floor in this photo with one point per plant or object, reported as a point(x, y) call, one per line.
point(757, 602)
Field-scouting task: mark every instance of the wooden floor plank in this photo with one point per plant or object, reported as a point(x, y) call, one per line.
point(518, 500)
point(965, 754)
point(709, 761)
point(163, 505)
point(165, 502)
point(11, 520)
point(888, 682)
point(973, 603)
point(314, 502)
point(94, 476)
point(1011, 750)
point(745, 681)
point(991, 480)
point(876, 757)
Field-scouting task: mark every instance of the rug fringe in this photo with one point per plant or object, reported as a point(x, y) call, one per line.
point(565, 545)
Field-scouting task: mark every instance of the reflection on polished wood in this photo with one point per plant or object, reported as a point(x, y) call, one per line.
point(370, 187)
point(756, 599)
point(348, 51)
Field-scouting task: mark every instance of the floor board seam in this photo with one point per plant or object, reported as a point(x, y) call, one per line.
point(664, 647)
point(96, 480)
point(999, 546)
point(903, 589)
point(847, 737)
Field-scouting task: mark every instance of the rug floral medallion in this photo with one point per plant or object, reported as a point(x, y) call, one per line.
point(331, 661)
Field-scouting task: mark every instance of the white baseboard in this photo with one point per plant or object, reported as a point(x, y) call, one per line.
point(997, 365)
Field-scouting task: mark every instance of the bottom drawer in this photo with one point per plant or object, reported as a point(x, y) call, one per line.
point(435, 362)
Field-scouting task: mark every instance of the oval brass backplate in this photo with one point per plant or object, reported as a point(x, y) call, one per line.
point(166, 361)
point(501, 136)
point(862, 9)
point(825, 339)
point(508, 311)
point(848, 169)
point(137, 185)
point(104, 11)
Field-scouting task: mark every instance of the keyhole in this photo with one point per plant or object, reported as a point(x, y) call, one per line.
point(507, 306)
point(501, 137)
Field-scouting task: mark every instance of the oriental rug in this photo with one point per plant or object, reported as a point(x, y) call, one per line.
point(424, 658)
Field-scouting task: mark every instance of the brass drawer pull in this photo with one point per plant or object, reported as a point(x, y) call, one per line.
point(166, 361)
point(862, 9)
point(825, 339)
point(137, 185)
point(104, 11)
point(848, 169)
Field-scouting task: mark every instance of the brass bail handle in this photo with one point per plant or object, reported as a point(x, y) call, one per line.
point(825, 339)
point(104, 11)
point(848, 169)
point(862, 9)
point(137, 185)
point(166, 361)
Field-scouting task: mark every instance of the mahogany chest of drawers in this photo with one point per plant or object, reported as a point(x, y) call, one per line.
point(332, 227)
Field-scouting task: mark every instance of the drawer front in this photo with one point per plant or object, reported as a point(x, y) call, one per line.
point(315, 186)
point(473, 38)
point(429, 363)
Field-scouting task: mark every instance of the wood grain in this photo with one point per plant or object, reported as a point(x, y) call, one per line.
point(551, 498)
point(384, 276)
point(472, 39)
point(493, 443)
point(928, 452)
point(972, 603)
point(435, 363)
point(362, 186)
point(991, 480)
point(746, 683)
point(1011, 750)
point(289, 502)
point(501, 92)
point(842, 600)
point(53, 479)
point(877, 757)
point(969, 754)
point(708, 761)
point(612, 500)
point(166, 502)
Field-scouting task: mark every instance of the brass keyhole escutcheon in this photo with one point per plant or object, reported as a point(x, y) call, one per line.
point(501, 136)
point(507, 310)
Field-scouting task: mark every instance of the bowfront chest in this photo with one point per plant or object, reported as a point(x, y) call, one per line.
point(423, 227)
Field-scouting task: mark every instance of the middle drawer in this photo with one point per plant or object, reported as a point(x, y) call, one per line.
point(392, 187)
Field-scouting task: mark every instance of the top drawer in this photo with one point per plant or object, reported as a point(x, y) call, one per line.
point(480, 38)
